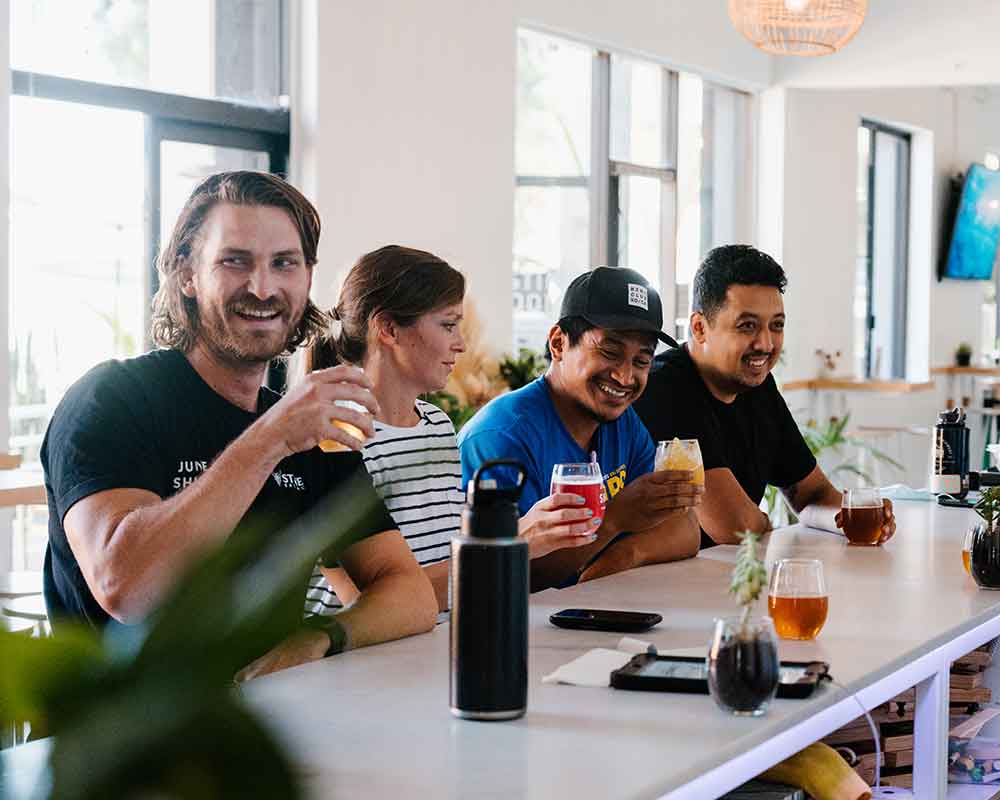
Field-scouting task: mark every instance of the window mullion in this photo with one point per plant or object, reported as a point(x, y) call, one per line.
point(600, 158)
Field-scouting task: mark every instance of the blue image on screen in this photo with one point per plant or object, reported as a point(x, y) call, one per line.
point(977, 226)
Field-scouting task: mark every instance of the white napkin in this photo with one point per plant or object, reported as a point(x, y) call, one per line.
point(899, 491)
point(594, 667)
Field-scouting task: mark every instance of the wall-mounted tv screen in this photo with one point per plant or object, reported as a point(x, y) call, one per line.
point(976, 233)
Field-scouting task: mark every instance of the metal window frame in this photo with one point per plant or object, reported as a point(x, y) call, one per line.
point(169, 117)
point(615, 170)
point(901, 265)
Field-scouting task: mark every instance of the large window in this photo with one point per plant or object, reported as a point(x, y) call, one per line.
point(883, 234)
point(624, 162)
point(118, 108)
point(99, 167)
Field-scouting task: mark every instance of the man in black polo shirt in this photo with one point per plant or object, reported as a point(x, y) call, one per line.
point(718, 388)
point(153, 461)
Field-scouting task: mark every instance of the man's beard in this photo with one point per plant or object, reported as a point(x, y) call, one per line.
point(248, 349)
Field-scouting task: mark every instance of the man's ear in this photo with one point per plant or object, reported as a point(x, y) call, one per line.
point(185, 276)
point(699, 327)
point(558, 342)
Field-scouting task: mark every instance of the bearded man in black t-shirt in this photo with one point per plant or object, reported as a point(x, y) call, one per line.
point(718, 388)
point(153, 461)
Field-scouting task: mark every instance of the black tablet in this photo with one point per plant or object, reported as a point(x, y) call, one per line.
point(689, 674)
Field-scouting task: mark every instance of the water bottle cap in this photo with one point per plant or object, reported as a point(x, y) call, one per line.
point(953, 416)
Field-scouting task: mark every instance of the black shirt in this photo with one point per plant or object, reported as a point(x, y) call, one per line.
point(152, 423)
point(754, 436)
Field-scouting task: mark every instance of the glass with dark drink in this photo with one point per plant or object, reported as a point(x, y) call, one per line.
point(743, 668)
point(797, 599)
point(862, 516)
point(582, 479)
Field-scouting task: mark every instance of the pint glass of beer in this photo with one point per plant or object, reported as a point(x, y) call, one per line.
point(681, 454)
point(333, 446)
point(862, 516)
point(967, 550)
point(796, 599)
point(582, 479)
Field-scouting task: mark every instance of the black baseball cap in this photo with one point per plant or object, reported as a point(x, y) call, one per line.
point(617, 298)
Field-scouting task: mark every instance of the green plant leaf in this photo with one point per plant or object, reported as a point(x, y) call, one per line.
point(38, 677)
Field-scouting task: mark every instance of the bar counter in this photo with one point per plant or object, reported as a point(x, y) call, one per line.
point(375, 722)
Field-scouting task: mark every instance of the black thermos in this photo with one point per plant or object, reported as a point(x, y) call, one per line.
point(489, 603)
point(951, 454)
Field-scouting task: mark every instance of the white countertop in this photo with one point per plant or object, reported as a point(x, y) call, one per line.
point(376, 723)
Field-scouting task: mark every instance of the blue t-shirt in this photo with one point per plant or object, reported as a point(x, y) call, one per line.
point(525, 426)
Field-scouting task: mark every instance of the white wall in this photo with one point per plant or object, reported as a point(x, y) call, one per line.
point(404, 117)
point(696, 36)
point(909, 43)
point(820, 233)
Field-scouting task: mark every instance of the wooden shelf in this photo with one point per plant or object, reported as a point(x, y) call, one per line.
point(856, 385)
point(989, 371)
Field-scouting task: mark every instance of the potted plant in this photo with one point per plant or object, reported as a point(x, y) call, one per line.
point(743, 665)
point(984, 554)
point(963, 354)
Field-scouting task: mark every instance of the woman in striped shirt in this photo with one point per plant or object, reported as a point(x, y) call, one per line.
point(399, 312)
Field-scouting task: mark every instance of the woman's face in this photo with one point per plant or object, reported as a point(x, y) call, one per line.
point(427, 349)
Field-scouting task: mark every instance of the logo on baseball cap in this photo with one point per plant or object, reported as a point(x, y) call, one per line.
point(616, 298)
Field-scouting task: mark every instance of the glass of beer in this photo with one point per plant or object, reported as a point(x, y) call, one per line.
point(862, 516)
point(582, 479)
point(333, 446)
point(681, 454)
point(797, 599)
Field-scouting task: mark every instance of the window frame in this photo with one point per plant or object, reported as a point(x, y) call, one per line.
point(169, 117)
point(901, 249)
point(605, 173)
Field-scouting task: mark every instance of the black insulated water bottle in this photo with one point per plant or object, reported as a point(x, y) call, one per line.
point(489, 603)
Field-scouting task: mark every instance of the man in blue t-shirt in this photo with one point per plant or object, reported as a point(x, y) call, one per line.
point(601, 350)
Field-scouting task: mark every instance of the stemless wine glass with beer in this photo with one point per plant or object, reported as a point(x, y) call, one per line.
point(332, 445)
point(862, 515)
point(681, 454)
point(797, 599)
point(584, 480)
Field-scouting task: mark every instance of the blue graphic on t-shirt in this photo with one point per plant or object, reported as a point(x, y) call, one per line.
point(525, 426)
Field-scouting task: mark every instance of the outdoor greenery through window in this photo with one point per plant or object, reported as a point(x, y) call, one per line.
point(620, 161)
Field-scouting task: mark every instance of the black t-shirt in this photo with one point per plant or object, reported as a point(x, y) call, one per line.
point(152, 423)
point(754, 436)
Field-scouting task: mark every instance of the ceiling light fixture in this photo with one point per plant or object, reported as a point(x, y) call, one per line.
point(798, 27)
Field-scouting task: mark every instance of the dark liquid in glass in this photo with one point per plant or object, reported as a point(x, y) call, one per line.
point(744, 675)
point(984, 559)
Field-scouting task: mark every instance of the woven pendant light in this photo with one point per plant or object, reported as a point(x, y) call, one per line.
point(798, 27)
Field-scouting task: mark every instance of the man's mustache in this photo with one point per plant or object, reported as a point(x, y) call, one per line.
point(252, 304)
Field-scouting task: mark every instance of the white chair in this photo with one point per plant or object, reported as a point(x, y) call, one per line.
point(32, 608)
point(20, 584)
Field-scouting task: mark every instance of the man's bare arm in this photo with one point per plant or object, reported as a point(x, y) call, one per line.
point(727, 509)
point(675, 538)
point(396, 598)
point(131, 544)
point(347, 591)
point(814, 489)
point(644, 504)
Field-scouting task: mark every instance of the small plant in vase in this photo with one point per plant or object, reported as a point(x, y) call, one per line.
point(984, 554)
point(743, 665)
point(827, 362)
point(963, 355)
